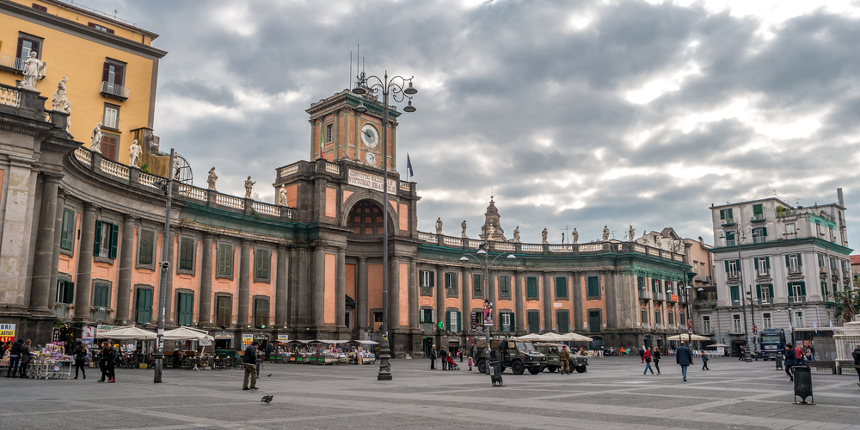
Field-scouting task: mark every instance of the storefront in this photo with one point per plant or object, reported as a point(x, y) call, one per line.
point(223, 340)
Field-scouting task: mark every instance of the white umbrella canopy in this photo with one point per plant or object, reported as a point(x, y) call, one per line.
point(691, 337)
point(534, 338)
point(187, 333)
point(575, 337)
point(128, 333)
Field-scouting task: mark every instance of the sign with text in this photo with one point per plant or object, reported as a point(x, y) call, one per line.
point(7, 332)
point(283, 338)
point(367, 180)
point(674, 298)
point(101, 328)
point(247, 339)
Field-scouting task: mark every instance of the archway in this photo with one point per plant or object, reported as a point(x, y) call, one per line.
point(365, 219)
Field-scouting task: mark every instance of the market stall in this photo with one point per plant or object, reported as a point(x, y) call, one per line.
point(362, 355)
point(51, 362)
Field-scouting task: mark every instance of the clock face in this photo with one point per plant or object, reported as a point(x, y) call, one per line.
point(369, 136)
point(370, 158)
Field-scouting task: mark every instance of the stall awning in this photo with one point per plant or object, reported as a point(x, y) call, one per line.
point(350, 302)
point(128, 333)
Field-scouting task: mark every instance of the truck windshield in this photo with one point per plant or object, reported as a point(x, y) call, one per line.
point(525, 346)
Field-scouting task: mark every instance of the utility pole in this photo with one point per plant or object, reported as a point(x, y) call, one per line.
point(165, 266)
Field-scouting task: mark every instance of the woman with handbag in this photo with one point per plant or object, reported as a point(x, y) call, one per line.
point(646, 357)
point(80, 359)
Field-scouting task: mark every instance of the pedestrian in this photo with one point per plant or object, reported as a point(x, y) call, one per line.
point(856, 356)
point(646, 358)
point(14, 358)
point(705, 361)
point(788, 360)
point(655, 354)
point(443, 355)
point(470, 365)
point(80, 359)
point(684, 358)
point(461, 353)
point(103, 356)
point(564, 360)
point(113, 359)
point(642, 354)
point(269, 351)
point(741, 351)
point(249, 362)
point(433, 356)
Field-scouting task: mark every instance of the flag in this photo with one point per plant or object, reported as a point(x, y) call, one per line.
point(789, 326)
point(409, 166)
point(831, 325)
point(815, 326)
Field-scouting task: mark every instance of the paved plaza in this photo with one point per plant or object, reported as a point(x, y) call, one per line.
point(612, 394)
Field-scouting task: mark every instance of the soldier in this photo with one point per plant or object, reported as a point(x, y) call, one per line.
point(564, 359)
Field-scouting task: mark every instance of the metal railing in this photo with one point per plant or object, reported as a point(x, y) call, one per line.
point(797, 299)
point(11, 62)
point(727, 221)
point(115, 90)
point(758, 218)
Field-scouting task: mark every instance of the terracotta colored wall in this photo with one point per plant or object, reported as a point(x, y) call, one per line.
point(403, 215)
point(330, 275)
point(593, 304)
point(346, 194)
point(225, 285)
point(263, 288)
point(374, 289)
point(292, 192)
point(350, 280)
point(186, 282)
point(532, 304)
point(404, 294)
point(330, 202)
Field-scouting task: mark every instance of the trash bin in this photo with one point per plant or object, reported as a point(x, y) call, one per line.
point(495, 369)
point(803, 385)
point(778, 360)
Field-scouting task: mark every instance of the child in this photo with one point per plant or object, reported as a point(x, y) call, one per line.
point(470, 364)
point(704, 361)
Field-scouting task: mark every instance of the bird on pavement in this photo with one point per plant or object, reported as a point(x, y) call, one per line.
point(269, 375)
point(267, 399)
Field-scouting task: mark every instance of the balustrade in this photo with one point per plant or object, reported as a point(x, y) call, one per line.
point(192, 192)
point(114, 169)
point(9, 97)
point(84, 156)
point(230, 201)
point(266, 209)
point(283, 172)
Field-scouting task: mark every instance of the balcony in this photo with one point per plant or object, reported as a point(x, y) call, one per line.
point(797, 299)
point(758, 218)
point(12, 64)
point(731, 242)
point(759, 239)
point(727, 222)
point(794, 269)
point(114, 91)
point(658, 297)
point(785, 213)
point(644, 294)
point(767, 301)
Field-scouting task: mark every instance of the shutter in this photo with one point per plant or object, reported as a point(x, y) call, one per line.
point(20, 47)
point(738, 266)
point(799, 261)
point(767, 263)
point(98, 243)
point(722, 214)
point(432, 282)
point(36, 46)
point(513, 322)
point(757, 209)
point(109, 147)
point(770, 291)
point(448, 320)
point(787, 264)
point(70, 292)
point(118, 72)
point(758, 291)
point(764, 231)
point(114, 238)
point(459, 321)
point(65, 234)
point(726, 263)
point(803, 289)
point(105, 71)
point(729, 211)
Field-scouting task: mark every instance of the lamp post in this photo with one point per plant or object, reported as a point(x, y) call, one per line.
point(485, 263)
point(165, 266)
point(738, 239)
point(396, 87)
point(689, 318)
point(752, 317)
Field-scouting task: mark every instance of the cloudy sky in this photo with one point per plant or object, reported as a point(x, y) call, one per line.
point(579, 114)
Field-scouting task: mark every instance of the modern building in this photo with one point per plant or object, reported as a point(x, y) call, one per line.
point(703, 292)
point(109, 63)
point(776, 266)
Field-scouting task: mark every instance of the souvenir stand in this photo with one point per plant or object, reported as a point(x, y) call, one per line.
point(50, 362)
point(362, 355)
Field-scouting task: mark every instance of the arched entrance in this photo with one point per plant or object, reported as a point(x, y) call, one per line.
point(366, 218)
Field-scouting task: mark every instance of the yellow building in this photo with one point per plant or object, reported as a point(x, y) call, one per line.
point(110, 65)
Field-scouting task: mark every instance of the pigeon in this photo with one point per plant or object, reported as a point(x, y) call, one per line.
point(267, 399)
point(269, 375)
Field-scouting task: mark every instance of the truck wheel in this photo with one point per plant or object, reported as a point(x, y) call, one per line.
point(482, 366)
point(534, 370)
point(580, 370)
point(518, 368)
point(551, 369)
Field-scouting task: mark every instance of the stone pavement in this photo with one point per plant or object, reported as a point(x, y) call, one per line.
point(612, 394)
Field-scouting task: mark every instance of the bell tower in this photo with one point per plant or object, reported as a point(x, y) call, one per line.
point(339, 131)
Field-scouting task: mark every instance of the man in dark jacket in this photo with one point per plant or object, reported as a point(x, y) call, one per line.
point(433, 356)
point(856, 355)
point(788, 360)
point(684, 358)
point(113, 358)
point(443, 355)
point(14, 358)
point(249, 361)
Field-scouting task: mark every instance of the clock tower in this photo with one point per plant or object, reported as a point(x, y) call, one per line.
point(338, 131)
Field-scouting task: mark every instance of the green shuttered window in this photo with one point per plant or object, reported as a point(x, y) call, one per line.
point(185, 308)
point(531, 288)
point(145, 248)
point(561, 287)
point(225, 260)
point(594, 287)
point(144, 306)
point(67, 234)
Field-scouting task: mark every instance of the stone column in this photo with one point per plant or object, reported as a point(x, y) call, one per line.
point(58, 228)
point(244, 284)
point(304, 289)
point(319, 287)
point(361, 306)
point(519, 313)
point(394, 293)
point(85, 263)
point(577, 302)
point(440, 295)
point(340, 289)
point(547, 301)
point(413, 295)
point(204, 313)
point(41, 286)
point(126, 263)
point(281, 296)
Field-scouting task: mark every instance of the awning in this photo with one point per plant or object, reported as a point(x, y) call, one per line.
point(128, 333)
point(366, 342)
point(679, 337)
point(187, 333)
point(350, 303)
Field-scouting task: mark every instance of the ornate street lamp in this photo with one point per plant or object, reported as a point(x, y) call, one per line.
point(396, 87)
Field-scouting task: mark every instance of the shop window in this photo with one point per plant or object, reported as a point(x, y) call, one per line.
point(144, 306)
point(67, 234)
point(107, 235)
point(145, 248)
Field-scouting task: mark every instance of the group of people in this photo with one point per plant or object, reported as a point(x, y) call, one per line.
point(447, 358)
point(19, 358)
point(683, 357)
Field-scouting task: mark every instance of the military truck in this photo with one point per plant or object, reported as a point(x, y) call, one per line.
point(516, 355)
point(550, 350)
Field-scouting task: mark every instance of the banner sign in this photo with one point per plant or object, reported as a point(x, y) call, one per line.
point(7, 332)
point(674, 298)
point(283, 338)
point(488, 314)
point(101, 328)
point(247, 339)
point(89, 333)
point(367, 180)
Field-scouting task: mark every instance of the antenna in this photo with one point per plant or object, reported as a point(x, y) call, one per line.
point(566, 230)
point(349, 82)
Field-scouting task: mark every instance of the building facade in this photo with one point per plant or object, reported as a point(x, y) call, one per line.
point(773, 260)
point(111, 71)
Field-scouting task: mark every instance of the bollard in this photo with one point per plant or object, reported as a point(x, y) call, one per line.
point(495, 371)
point(803, 385)
point(778, 360)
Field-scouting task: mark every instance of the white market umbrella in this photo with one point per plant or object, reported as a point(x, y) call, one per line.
point(534, 338)
point(187, 333)
point(575, 337)
point(128, 333)
point(690, 337)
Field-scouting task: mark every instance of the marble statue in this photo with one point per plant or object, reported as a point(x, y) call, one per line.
point(67, 108)
point(282, 197)
point(438, 225)
point(562, 237)
point(605, 233)
point(134, 154)
point(176, 165)
point(517, 234)
point(631, 234)
point(463, 225)
point(543, 235)
point(249, 184)
point(96, 145)
point(575, 235)
point(212, 178)
point(490, 231)
point(59, 101)
point(34, 70)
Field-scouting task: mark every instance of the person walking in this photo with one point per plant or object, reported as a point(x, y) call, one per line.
point(684, 358)
point(646, 358)
point(80, 359)
point(249, 362)
point(856, 356)
point(25, 358)
point(113, 358)
point(14, 358)
point(103, 356)
point(788, 360)
point(741, 352)
point(642, 354)
point(443, 355)
point(655, 354)
point(433, 356)
point(461, 351)
point(470, 364)
point(705, 361)
point(564, 361)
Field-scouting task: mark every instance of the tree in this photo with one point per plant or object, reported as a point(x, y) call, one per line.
point(846, 302)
